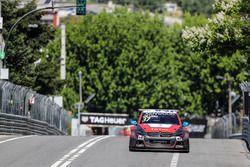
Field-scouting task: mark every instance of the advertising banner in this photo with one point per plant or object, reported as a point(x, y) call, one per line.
point(104, 119)
point(197, 127)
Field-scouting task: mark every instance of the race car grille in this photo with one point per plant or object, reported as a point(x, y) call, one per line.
point(159, 134)
point(153, 134)
point(165, 134)
point(160, 143)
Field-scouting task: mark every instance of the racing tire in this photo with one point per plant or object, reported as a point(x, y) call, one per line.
point(186, 146)
point(131, 148)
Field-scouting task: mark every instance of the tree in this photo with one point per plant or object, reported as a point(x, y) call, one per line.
point(24, 45)
point(197, 6)
point(151, 5)
point(223, 47)
point(129, 60)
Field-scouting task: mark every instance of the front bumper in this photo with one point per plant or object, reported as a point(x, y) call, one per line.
point(156, 143)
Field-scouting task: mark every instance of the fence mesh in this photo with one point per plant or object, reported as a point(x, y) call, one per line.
point(19, 100)
point(221, 127)
point(245, 88)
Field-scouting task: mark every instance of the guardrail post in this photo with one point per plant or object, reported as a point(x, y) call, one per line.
point(60, 121)
point(234, 127)
point(225, 123)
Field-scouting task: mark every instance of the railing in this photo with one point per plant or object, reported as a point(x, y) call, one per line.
point(35, 109)
point(246, 131)
point(221, 129)
point(245, 88)
point(15, 124)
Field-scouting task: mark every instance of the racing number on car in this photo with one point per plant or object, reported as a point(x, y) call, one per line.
point(146, 118)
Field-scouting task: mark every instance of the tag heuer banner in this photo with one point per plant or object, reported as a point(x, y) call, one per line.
point(104, 119)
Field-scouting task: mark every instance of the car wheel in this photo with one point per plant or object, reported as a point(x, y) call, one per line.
point(186, 146)
point(131, 147)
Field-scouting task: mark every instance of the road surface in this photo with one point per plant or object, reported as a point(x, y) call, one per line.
point(62, 151)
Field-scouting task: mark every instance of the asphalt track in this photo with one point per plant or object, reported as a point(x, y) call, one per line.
point(107, 151)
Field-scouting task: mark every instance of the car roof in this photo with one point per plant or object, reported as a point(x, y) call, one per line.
point(172, 111)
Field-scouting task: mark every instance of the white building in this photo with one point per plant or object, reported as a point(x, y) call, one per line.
point(170, 7)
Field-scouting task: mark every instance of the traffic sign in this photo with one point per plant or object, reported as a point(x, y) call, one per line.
point(81, 7)
point(2, 55)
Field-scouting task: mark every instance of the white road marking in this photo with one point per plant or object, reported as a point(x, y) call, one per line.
point(71, 153)
point(82, 151)
point(16, 138)
point(57, 163)
point(174, 160)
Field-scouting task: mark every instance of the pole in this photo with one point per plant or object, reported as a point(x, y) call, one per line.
point(1, 38)
point(80, 103)
point(229, 107)
point(63, 53)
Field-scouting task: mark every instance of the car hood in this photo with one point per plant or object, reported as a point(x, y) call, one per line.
point(171, 128)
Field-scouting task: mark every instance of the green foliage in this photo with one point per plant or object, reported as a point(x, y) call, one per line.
point(46, 80)
point(130, 60)
point(23, 48)
point(151, 5)
point(194, 20)
point(223, 47)
point(197, 6)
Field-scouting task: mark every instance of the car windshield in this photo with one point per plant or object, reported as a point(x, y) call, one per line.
point(157, 118)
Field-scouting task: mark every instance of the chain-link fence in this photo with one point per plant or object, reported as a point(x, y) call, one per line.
point(220, 128)
point(19, 100)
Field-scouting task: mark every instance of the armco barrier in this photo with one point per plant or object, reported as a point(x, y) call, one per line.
point(246, 131)
point(15, 124)
point(221, 129)
point(24, 111)
point(245, 88)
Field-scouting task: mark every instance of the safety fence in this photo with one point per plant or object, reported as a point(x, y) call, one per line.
point(245, 88)
point(15, 124)
point(34, 109)
point(220, 128)
point(246, 131)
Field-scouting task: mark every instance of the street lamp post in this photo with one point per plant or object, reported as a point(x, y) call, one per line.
point(80, 105)
point(229, 81)
point(1, 38)
point(230, 106)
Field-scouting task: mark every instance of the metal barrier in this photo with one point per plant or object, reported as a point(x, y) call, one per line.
point(246, 131)
point(245, 88)
point(221, 129)
point(22, 101)
point(15, 124)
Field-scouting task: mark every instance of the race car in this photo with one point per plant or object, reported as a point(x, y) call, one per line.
point(159, 129)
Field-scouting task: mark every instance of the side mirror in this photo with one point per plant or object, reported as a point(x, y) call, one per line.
point(133, 122)
point(185, 124)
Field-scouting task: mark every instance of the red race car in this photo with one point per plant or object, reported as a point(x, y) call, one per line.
point(159, 129)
